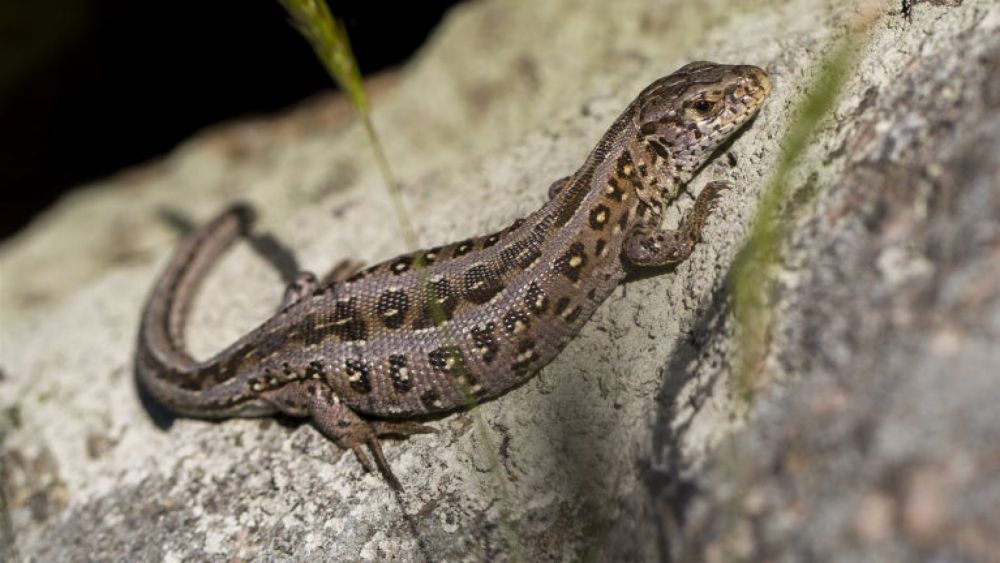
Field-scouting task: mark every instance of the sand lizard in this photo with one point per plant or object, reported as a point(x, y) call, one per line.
point(365, 354)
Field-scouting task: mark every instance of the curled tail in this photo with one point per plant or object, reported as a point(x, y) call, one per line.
point(163, 366)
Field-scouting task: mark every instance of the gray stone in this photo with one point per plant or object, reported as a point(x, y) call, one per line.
point(873, 430)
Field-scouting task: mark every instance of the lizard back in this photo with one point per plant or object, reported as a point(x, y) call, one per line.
point(434, 330)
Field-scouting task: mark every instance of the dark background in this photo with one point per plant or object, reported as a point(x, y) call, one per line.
point(90, 86)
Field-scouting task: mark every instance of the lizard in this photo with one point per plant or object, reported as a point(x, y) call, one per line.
point(373, 352)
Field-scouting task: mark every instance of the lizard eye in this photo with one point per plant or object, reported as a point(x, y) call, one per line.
point(703, 106)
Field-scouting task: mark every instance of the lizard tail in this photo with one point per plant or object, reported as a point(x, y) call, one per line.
point(163, 365)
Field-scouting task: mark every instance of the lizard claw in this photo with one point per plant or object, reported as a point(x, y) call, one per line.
point(380, 460)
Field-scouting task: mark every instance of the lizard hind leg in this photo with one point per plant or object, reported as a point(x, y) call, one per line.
point(306, 283)
point(651, 247)
point(341, 271)
point(301, 287)
point(338, 422)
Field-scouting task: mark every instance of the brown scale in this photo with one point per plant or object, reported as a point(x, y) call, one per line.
point(445, 327)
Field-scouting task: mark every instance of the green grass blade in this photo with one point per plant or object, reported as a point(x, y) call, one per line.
point(333, 48)
point(750, 278)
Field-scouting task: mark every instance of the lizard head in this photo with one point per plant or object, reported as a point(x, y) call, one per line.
point(682, 118)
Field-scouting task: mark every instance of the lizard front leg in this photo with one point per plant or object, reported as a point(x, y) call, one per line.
point(647, 246)
point(338, 422)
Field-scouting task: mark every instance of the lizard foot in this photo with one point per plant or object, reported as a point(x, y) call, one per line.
point(349, 431)
point(651, 247)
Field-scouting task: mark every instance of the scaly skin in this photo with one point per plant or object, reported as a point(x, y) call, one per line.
point(362, 355)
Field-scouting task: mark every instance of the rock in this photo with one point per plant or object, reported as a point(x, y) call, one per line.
point(873, 430)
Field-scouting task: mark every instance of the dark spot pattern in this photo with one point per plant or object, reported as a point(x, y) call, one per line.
point(401, 265)
point(447, 359)
point(535, 299)
point(599, 217)
point(439, 306)
point(314, 330)
point(525, 356)
point(430, 256)
point(392, 307)
point(599, 247)
point(491, 240)
point(462, 248)
point(485, 341)
point(572, 262)
point(315, 370)
point(480, 284)
point(624, 165)
point(429, 399)
point(346, 323)
point(659, 150)
point(642, 173)
point(561, 305)
point(571, 314)
point(623, 220)
point(400, 373)
point(516, 320)
point(357, 375)
point(613, 191)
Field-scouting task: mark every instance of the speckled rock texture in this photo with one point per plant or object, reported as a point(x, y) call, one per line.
point(874, 430)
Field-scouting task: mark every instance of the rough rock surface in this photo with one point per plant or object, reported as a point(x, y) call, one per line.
point(874, 431)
